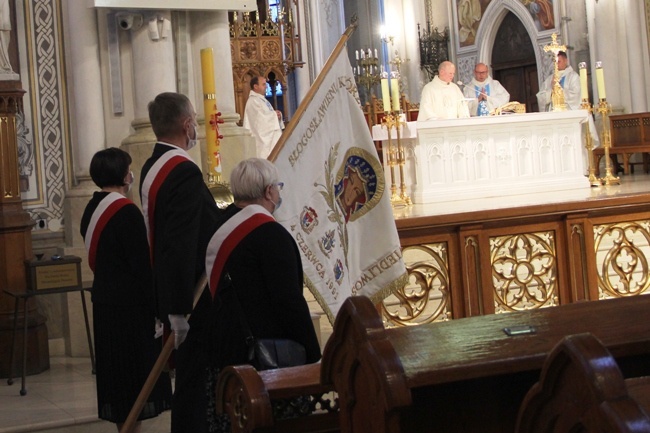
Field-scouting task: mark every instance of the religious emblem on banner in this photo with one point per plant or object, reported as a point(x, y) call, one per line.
point(308, 219)
point(354, 191)
point(326, 243)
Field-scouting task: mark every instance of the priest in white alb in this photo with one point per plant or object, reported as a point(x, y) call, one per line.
point(484, 93)
point(441, 98)
point(261, 119)
point(569, 81)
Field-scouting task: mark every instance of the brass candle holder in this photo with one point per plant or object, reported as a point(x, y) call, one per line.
point(396, 157)
point(604, 109)
point(589, 145)
point(367, 71)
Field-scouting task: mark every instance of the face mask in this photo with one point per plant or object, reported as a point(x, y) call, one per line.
point(277, 205)
point(130, 184)
point(192, 141)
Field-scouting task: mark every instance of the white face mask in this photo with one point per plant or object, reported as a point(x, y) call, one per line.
point(192, 141)
point(130, 184)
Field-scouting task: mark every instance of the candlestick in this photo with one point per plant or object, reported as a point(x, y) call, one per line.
point(356, 54)
point(394, 91)
point(211, 114)
point(385, 94)
point(600, 80)
point(584, 91)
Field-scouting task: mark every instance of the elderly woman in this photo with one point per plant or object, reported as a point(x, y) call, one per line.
point(255, 271)
point(123, 300)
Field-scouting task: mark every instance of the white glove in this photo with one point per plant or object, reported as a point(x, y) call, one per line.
point(158, 328)
point(180, 327)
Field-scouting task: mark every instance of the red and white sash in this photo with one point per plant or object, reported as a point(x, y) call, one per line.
point(228, 236)
point(152, 183)
point(108, 207)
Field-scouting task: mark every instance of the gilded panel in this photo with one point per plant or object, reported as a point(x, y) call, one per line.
point(622, 256)
point(426, 298)
point(524, 271)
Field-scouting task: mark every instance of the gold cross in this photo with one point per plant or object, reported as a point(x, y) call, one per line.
point(557, 94)
point(554, 47)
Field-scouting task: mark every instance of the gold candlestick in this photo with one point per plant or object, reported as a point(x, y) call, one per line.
point(589, 145)
point(389, 122)
point(396, 157)
point(604, 109)
point(401, 160)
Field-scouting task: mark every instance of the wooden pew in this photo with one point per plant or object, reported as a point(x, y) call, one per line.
point(466, 375)
point(582, 389)
point(247, 396)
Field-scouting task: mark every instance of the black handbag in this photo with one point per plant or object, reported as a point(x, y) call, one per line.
point(270, 353)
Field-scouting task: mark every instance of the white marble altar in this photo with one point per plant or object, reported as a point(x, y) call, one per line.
point(497, 156)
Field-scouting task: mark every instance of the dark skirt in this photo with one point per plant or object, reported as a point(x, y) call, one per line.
point(125, 354)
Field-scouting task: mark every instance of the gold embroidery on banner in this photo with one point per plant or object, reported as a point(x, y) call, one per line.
point(622, 254)
point(524, 271)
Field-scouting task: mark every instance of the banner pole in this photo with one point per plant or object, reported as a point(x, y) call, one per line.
point(158, 366)
point(312, 90)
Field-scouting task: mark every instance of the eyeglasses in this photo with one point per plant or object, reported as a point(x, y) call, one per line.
point(280, 186)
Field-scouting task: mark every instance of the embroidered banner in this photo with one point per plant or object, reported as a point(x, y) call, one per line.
point(335, 202)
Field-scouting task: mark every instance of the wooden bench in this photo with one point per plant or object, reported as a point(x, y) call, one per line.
point(250, 398)
point(582, 389)
point(630, 135)
point(466, 375)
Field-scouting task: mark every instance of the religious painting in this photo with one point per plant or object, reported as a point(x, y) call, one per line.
point(469, 15)
point(542, 13)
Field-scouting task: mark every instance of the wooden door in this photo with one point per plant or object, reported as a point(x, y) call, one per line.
point(521, 82)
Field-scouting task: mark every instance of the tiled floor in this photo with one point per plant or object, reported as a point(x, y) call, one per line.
point(61, 399)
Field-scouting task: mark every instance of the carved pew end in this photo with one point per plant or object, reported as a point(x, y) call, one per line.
point(581, 388)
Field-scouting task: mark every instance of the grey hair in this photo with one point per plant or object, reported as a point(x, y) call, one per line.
point(250, 177)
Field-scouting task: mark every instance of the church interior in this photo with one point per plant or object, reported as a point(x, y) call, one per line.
point(502, 219)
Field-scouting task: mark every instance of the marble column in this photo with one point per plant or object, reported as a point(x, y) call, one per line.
point(631, 19)
point(210, 30)
point(67, 333)
point(154, 71)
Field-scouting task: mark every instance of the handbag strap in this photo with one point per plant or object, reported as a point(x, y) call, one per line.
point(242, 318)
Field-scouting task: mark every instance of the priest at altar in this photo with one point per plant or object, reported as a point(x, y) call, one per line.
point(441, 98)
point(485, 94)
point(569, 82)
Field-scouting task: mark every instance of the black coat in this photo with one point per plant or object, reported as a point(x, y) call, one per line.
point(267, 279)
point(123, 269)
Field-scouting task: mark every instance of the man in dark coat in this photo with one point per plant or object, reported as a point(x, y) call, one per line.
point(180, 213)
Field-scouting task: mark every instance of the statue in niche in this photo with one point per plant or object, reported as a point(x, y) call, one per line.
point(5, 35)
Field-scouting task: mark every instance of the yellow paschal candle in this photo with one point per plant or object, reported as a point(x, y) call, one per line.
point(210, 110)
point(385, 94)
point(394, 93)
point(584, 91)
point(600, 80)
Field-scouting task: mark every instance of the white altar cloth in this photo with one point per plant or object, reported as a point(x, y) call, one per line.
point(497, 156)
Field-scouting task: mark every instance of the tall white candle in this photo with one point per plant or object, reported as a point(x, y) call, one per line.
point(385, 94)
point(600, 80)
point(584, 91)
